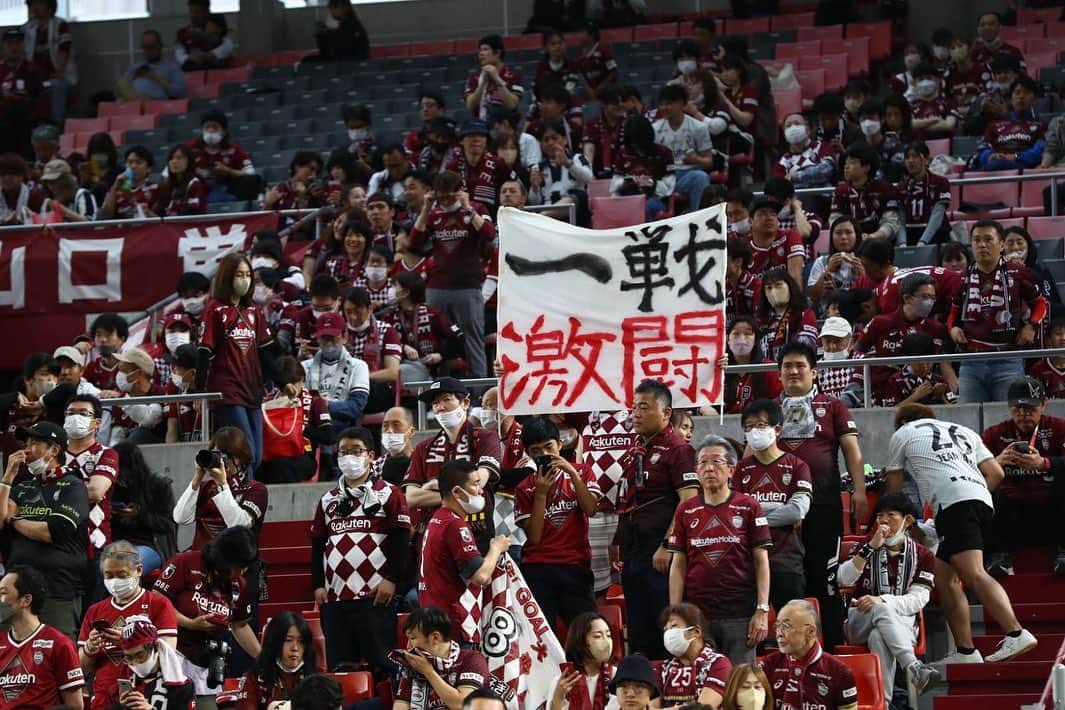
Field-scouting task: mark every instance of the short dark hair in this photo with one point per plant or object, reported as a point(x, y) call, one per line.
point(655, 388)
point(289, 371)
point(358, 296)
point(689, 613)
point(35, 361)
point(769, 407)
point(990, 223)
point(555, 125)
point(857, 86)
point(539, 430)
point(233, 547)
point(427, 619)
point(193, 281)
point(305, 157)
point(829, 103)
point(359, 112)
point(871, 107)
point(918, 147)
point(433, 95)
point(94, 402)
point(1026, 82)
point(924, 69)
point(878, 250)
point(141, 152)
point(414, 283)
point(918, 343)
point(739, 248)
point(686, 48)
point(611, 94)
point(865, 155)
point(898, 502)
point(421, 176)
point(553, 91)
point(493, 41)
point(779, 187)
point(110, 323)
point(797, 348)
point(30, 580)
point(741, 195)
point(673, 92)
point(705, 23)
point(454, 474)
point(324, 285)
point(359, 433)
point(482, 694)
point(591, 27)
point(317, 692)
point(942, 36)
point(849, 301)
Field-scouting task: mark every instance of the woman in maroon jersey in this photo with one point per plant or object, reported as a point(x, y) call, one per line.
point(589, 654)
point(695, 672)
point(743, 347)
point(1020, 247)
point(287, 658)
point(181, 192)
point(783, 313)
point(641, 165)
point(235, 351)
point(347, 265)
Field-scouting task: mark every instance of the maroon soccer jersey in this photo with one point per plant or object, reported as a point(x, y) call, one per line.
point(97, 460)
point(1052, 378)
point(188, 419)
point(423, 267)
point(234, 336)
point(682, 684)
point(252, 496)
point(814, 153)
point(184, 582)
point(564, 540)
point(982, 54)
point(744, 97)
point(204, 157)
point(99, 374)
point(35, 671)
point(354, 529)
point(513, 449)
point(426, 328)
point(126, 200)
point(783, 328)
point(654, 470)
point(867, 204)
point(818, 680)
point(773, 485)
point(948, 284)
point(1023, 484)
point(785, 245)
point(719, 542)
point(193, 200)
point(491, 95)
point(606, 139)
point(342, 268)
point(884, 335)
point(481, 181)
point(743, 298)
point(374, 344)
point(254, 694)
point(457, 246)
point(19, 83)
point(819, 446)
point(963, 87)
point(596, 64)
point(747, 389)
point(1014, 136)
point(933, 108)
point(894, 574)
point(900, 385)
point(299, 321)
point(448, 550)
point(109, 663)
point(461, 668)
point(991, 305)
point(920, 196)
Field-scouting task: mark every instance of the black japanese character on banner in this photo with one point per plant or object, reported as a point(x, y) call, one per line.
point(648, 263)
point(697, 272)
point(591, 264)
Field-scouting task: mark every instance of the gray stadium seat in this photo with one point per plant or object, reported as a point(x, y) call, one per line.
point(964, 146)
point(1056, 267)
point(303, 142)
point(317, 69)
point(925, 255)
point(258, 102)
point(278, 114)
point(228, 207)
point(264, 145)
point(1047, 248)
point(246, 130)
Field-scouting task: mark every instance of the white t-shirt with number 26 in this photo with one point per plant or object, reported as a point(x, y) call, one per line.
point(943, 459)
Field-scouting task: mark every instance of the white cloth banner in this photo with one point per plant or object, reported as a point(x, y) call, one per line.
point(586, 315)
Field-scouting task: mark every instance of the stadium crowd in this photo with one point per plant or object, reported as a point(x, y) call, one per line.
point(707, 538)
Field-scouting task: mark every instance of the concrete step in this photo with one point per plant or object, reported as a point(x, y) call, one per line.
point(996, 701)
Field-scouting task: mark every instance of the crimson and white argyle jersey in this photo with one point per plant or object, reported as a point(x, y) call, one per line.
point(97, 460)
point(604, 441)
point(815, 153)
point(833, 380)
point(354, 558)
point(682, 684)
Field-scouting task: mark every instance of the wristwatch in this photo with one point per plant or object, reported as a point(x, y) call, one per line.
point(762, 608)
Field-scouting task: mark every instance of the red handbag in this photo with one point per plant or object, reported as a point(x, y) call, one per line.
point(283, 432)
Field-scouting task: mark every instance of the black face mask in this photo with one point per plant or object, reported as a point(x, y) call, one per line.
point(439, 147)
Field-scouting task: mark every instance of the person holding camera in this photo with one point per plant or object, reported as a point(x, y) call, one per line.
point(1030, 503)
point(152, 674)
point(209, 592)
point(553, 505)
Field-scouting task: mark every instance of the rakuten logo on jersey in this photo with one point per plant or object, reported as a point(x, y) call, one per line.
point(19, 679)
point(209, 606)
point(708, 541)
point(350, 525)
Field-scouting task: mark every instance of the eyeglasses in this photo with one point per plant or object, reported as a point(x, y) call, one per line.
point(352, 452)
point(786, 626)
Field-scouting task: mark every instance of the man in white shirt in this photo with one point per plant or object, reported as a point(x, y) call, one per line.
point(955, 474)
point(689, 139)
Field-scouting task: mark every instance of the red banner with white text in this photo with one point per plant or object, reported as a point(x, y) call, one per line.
point(52, 281)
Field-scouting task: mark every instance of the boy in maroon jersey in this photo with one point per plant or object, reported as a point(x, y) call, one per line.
point(932, 116)
point(1051, 370)
point(602, 134)
point(918, 382)
point(496, 84)
point(153, 669)
point(434, 666)
point(770, 245)
point(552, 505)
point(780, 482)
point(39, 666)
point(109, 332)
point(925, 199)
point(998, 308)
point(720, 544)
point(965, 79)
point(801, 673)
point(743, 288)
point(460, 235)
point(1030, 502)
point(892, 576)
point(183, 418)
point(873, 203)
point(1018, 140)
point(596, 63)
point(133, 192)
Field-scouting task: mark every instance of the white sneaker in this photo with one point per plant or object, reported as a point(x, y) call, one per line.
point(956, 657)
point(1010, 647)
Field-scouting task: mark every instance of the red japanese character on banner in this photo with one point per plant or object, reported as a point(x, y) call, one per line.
point(549, 355)
point(674, 358)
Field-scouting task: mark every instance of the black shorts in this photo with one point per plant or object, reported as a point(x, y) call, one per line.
point(963, 526)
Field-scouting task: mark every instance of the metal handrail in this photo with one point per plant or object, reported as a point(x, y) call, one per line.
point(152, 220)
point(205, 411)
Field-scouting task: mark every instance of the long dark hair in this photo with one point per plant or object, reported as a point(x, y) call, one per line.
point(832, 231)
point(576, 638)
point(274, 640)
point(797, 302)
point(134, 473)
point(1031, 259)
point(175, 186)
point(732, 381)
point(222, 289)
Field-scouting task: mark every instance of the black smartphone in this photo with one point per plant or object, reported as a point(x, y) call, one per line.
point(543, 461)
point(1021, 447)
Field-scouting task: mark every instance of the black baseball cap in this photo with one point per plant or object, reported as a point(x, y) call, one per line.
point(444, 385)
point(1028, 392)
point(44, 431)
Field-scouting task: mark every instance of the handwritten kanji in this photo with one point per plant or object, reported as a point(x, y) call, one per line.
point(648, 263)
point(677, 350)
point(697, 272)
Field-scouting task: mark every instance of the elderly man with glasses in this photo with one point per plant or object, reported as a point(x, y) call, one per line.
point(720, 544)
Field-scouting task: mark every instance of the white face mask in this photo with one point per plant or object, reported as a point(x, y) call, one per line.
point(212, 137)
point(674, 641)
point(837, 355)
point(176, 339)
point(319, 313)
point(361, 327)
point(121, 588)
point(743, 226)
point(263, 262)
point(358, 134)
point(741, 346)
point(194, 305)
point(870, 128)
point(37, 466)
point(687, 66)
point(178, 380)
point(761, 438)
point(451, 420)
point(143, 670)
point(750, 699)
point(77, 426)
point(393, 443)
point(911, 61)
point(376, 273)
point(353, 467)
point(472, 506)
point(926, 87)
point(940, 52)
point(489, 418)
point(123, 383)
point(795, 134)
point(261, 294)
point(959, 54)
point(778, 295)
point(896, 539)
point(286, 669)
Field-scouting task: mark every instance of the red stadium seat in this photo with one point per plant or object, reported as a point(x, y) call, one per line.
point(812, 82)
point(599, 188)
point(616, 34)
point(879, 34)
point(1007, 193)
point(868, 679)
point(1038, 45)
point(86, 125)
point(467, 45)
point(432, 49)
point(134, 123)
point(792, 21)
point(1041, 60)
point(1030, 15)
point(205, 91)
point(1046, 227)
point(835, 66)
point(401, 636)
point(1016, 34)
point(919, 648)
point(1056, 29)
point(939, 146)
point(226, 76)
point(613, 617)
point(807, 34)
point(808, 48)
point(787, 101)
point(746, 26)
point(168, 106)
point(786, 51)
point(665, 30)
point(530, 41)
point(1031, 204)
point(856, 49)
point(611, 212)
point(318, 637)
point(357, 686)
point(118, 108)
